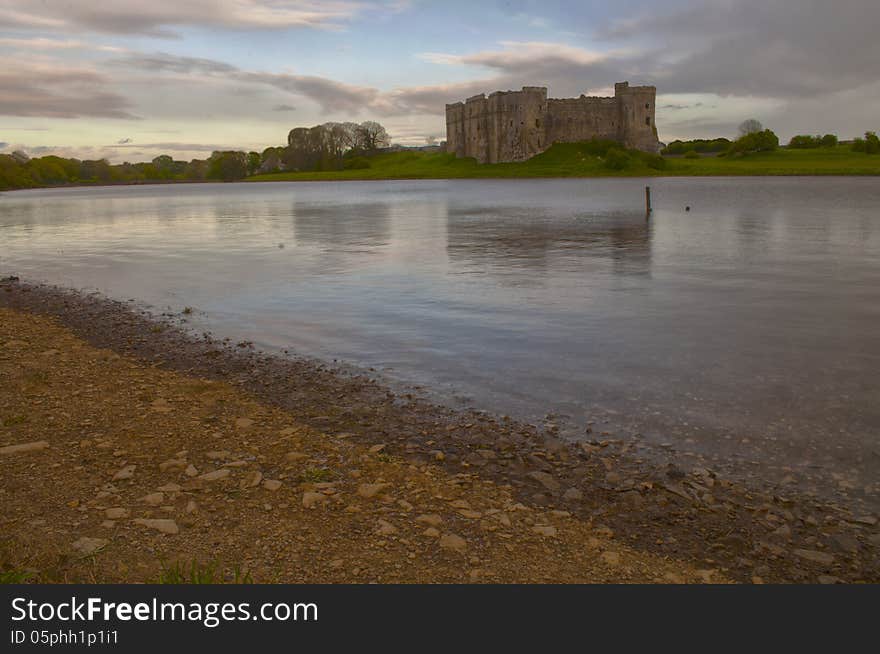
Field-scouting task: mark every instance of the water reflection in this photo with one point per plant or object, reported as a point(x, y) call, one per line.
point(505, 240)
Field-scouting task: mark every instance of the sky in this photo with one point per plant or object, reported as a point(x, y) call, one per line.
point(128, 80)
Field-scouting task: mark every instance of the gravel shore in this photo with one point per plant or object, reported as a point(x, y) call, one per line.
point(297, 471)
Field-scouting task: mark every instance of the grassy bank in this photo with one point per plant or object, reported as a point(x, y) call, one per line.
point(575, 160)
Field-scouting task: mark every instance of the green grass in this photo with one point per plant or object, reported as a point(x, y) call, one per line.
point(200, 573)
point(576, 160)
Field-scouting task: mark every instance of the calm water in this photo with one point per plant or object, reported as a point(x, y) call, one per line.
point(746, 331)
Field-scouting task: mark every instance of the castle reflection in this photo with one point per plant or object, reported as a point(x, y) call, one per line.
point(498, 241)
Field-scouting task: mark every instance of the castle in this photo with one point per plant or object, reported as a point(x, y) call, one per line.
point(517, 125)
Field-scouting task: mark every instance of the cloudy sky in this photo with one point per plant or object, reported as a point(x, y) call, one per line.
point(130, 79)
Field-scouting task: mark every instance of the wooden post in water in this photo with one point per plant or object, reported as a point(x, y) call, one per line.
point(648, 209)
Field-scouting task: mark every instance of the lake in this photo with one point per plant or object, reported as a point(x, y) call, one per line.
point(744, 332)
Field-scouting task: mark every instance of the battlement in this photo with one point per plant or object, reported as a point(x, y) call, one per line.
point(517, 125)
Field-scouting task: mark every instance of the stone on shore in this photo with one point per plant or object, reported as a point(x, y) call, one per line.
point(165, 525)
point(21, 448)
point(453, 542)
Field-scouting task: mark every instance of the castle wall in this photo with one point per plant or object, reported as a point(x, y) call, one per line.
point(517, 125)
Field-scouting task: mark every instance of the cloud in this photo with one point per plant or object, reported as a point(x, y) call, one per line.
point(123, 141)
point(158, 17)
point(58, 91)
point(173, 146)
point(770, 48)
point(283, 107)
point(3, 145)
point(43, 44)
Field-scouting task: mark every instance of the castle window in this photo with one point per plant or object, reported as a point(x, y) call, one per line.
point(648, 120)
point(647, 106)
point(537, 122)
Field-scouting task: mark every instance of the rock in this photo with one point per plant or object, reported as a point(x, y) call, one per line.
point(216, 455)
point(215, 475)
point(154, 499)
point(191, 507)
point(385, 528)
point(86, 546)
point(251, 480)
point(116, 513)
point(165, 525)
point(545, 530)
point(108, 524)
point(828, 580)
point(613, 478)
point(126, 473)
point(431, 519)
point(611, 558)
point(573, 495)
point(546, 480)
point(271, 484)
point(816, 557)
point(783, 532)
point(170, 488)
point(192, 471)
point(431, 532)
point(375, 449)
point(371, 490)
point(172, 464)
point(866, 520)
point(845, 543)
point(295, 456)
point(453, 542)
point(21, 448)
point(244, 423)
point(470, 514)
point(312, 499)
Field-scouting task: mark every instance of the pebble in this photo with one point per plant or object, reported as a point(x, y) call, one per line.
point(452, 542)
point(215, 475)
point(192, 471)
point(244, 423)
point(431, 519)
point(545, 479)
point(126, 473)
point(611, 558)
point(35, 446)
point(154, 499)
point(816, 557)
point(172, 464)
point(371, 490)
point(311, 499)
point(385, 528)
point(87, 545)
point(251, 480)
point(573, 495)
point(165, 525)
point(116, 513)
point(271, 484)
point(545, 530)
point(170, 488)
point(431, 532)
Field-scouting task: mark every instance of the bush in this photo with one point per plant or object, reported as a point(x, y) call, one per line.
point(869, 145)
point(654, 161)
point(765, 141)
point(829, 141)
point(697, 145)
point(804, 142)
point(616, 159)
point(691, 154)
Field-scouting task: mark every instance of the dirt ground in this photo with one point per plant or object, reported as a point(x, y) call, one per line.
point(135, 467)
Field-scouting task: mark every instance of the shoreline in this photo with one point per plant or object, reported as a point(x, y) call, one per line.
point(640, 175)
point(660, 511)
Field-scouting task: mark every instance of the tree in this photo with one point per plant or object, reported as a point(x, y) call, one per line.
point(750, 126)
point(254, 160)
point(829, 141)
point(371, 136)
point(763, 141)
point(227, 166)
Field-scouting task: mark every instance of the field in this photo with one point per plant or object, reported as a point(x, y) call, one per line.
point(575, 160)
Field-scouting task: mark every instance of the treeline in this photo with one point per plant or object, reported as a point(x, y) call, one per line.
point(331, 146)
point(758, 139)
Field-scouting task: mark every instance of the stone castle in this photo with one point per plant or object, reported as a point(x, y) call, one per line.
point(517, 125)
